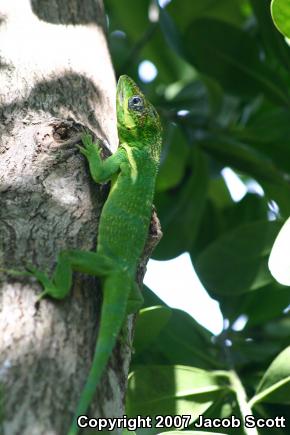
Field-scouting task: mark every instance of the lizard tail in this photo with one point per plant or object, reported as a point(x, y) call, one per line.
point(116, 291)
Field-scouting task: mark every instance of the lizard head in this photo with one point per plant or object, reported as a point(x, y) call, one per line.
point(138, 121)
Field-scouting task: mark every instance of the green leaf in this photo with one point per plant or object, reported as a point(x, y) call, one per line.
point(232, 57)
point(214, 93)
point(268, 131)
point(143, 40)
point(279, 329)
point(226, 10)
point(279, 192)
point(131, 19)
point(149, 324)
point(169, 64)
point(218, 192)
point(211, 227)
point(180, 210)
point(174, 390)
point(190, 95)
point(225, 408)
point(274, 42)
point(174, 347)
point(151, 299)
point(172, 167)
point(281, 16)
point(245, 353)
point(170, 31)
point(275, 384)
point(271, 300)
point(266, 126)
point(134, 23)
point(251, 207)
point(242, 157)
point(237, 261)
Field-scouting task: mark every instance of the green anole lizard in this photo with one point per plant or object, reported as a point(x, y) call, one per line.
point(123, 226)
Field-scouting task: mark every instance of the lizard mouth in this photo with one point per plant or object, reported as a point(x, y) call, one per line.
point(120, 91)
point(121, 96)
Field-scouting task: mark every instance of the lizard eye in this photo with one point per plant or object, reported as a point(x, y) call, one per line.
point(136, 103)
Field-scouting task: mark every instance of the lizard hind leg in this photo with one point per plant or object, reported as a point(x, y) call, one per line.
point(60, 284)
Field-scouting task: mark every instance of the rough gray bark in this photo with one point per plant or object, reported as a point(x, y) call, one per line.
point(56, 77)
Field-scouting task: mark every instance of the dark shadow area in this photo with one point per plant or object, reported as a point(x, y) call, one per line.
point(69, 12)
point(56, 139)
point(55, 96)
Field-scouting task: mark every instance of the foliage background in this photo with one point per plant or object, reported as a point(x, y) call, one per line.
point(222, 90)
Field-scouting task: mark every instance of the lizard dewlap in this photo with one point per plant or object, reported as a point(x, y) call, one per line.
point(123, 226)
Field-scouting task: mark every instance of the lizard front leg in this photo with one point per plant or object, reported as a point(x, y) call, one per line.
point(101, 170)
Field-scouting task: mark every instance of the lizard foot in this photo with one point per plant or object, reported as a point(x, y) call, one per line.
point(90, 150)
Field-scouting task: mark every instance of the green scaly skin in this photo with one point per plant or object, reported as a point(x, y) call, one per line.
point(123, 227)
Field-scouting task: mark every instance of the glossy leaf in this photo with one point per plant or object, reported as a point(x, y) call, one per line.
point(230, 11)
point(232, 57)
point(182, 341)
point(242, 157)
point(268, 131)
point(180, 210)
point(281, 16)
point(279, 192)
point(251, 207)
point(172, 167)
point(174, 390)
point(192, 96)
point(245, 352)
point(237, 261)
point(270, 126)
point(275, 44)
point(149, 324)
point(133, 19)
point(279, 329)
point(211, 227)
point(264, 304)
point(275, 384)
point(170, 31)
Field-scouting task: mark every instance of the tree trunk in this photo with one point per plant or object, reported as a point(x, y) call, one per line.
point(56, 77)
